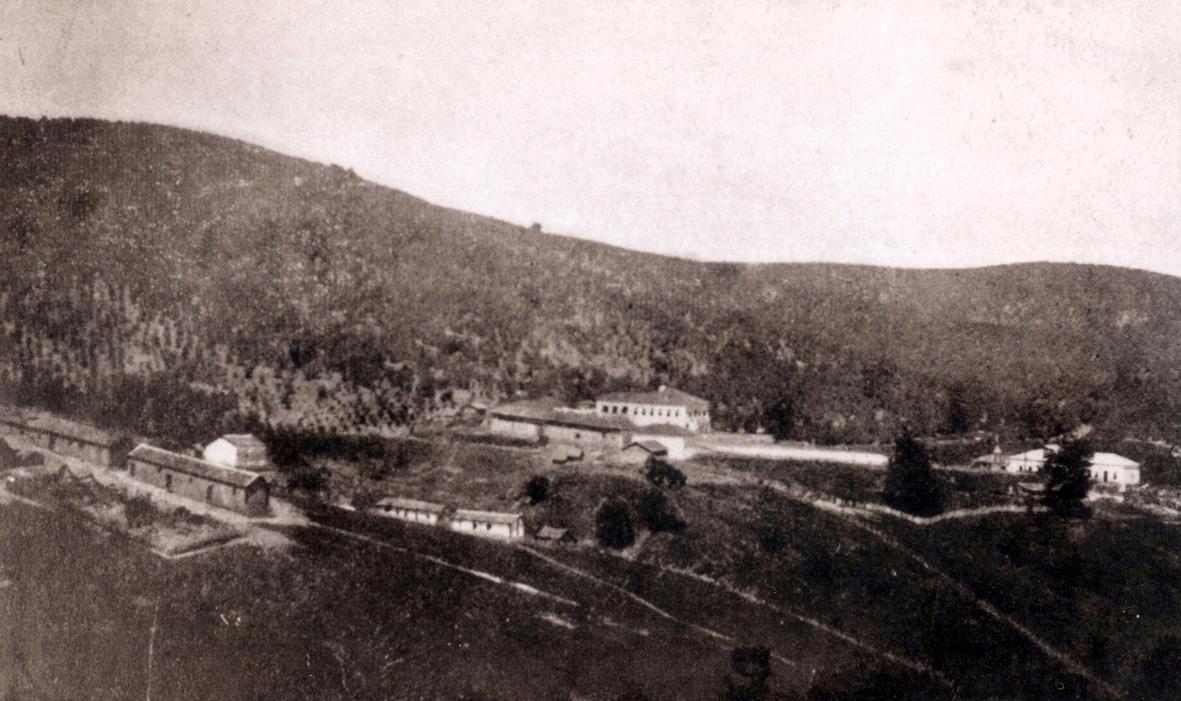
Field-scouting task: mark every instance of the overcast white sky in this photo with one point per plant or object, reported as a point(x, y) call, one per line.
point(892, 132)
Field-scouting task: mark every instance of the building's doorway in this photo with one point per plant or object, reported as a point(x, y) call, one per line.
point(209, 494)
point(168, 482)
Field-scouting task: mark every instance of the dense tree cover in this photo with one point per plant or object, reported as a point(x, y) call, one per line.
point(150, 268)
point(911, 486)
point(1068, 477)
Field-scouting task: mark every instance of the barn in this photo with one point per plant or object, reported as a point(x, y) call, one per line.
point(69, 438)
point(241, 450)
point(217, 485)
point(488, 524)
point(410, 510)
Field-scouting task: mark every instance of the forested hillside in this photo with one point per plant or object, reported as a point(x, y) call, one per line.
point(170, 278)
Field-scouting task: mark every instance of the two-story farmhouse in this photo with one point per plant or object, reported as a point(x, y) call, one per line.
point(665, 406)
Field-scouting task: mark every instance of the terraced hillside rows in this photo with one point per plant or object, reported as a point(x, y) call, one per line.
point(149, 267)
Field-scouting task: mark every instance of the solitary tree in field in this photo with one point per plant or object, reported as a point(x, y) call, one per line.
point(911, 486)
point(1068, 478)
point(537, 489)
point(613, 525)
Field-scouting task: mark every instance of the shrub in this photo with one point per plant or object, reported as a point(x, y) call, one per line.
point(537, 489)
point(139, 511)
point(613, 525)
point(654, 511)
point(661, 474)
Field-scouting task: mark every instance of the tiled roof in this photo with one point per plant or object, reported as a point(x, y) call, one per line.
point(651, 446)
point(551, 533)
point(667, 396)
point(662, 430)
point(47, 423)
point(542, 412)
point(193, 466)
point(486, 516)
point(245, 441)
point(410, 504)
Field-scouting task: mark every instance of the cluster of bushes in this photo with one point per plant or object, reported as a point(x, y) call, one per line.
point(615, 520)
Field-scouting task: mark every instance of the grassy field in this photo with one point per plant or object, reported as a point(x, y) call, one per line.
point(1107, 590)
point(335, 617)
point(328, 620)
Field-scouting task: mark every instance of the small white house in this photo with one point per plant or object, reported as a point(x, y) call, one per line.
point(488, 524)
point(410, 510)
point(240, 450)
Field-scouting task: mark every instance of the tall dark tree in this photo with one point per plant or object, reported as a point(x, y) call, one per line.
point(537, 489)
point(911, 486)
point(1068, 478)
point(613, 525)
point(781, 418)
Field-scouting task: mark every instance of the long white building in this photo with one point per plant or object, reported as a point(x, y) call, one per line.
point(666, 406)
point(1106, 468)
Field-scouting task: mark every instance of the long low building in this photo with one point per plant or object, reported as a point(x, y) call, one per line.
point(537, 420)
point(1105, 468)
point(411, 510)
point(70, 438)
point(488, 524)
point(218, 485)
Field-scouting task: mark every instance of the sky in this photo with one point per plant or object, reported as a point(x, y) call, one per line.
point(894, 132)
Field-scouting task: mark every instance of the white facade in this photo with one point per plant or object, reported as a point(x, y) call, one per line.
point(410, 510)
point(675, 445)
point(1105, 468)
point(488, 524)
point(666, 406)
point(221, 452)
point(243, 451)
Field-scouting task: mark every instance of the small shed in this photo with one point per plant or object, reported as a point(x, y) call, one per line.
point(241, 450)
point(411, 510)
point(551, 534)
point(638, 452)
